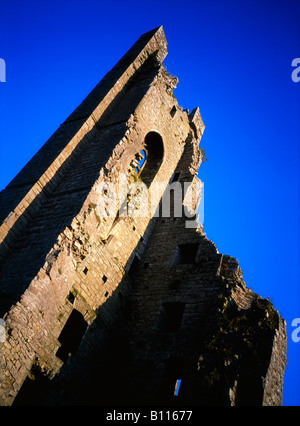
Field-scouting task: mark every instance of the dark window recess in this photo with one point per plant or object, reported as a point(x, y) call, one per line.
point(175, 177)
point(104, 279)
point(106, 294)
point(71, 335)
point(170, 317)
point(174, 285)
point(134, 266)
point(154, 149)
point(85, 271)
point(71, 297)
point(171, 380)
point(173, 111)
point(186, 253)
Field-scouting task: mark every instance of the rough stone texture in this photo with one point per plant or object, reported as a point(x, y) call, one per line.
point(115, 309)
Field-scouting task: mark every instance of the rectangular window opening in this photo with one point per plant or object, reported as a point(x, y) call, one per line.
point(134, 266)
point(170, 318)
point(186, 253)
point(173, 111)
point(71, 297)
point(71, 335)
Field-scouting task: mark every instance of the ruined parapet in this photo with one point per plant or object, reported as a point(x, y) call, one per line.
point(91, 269)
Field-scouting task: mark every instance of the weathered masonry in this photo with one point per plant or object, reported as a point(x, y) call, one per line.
point(126, 304)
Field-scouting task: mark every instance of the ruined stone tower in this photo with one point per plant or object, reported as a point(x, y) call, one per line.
point(110, 291)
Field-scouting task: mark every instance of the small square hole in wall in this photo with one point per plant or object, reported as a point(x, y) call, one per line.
point(71, 297)
point(104, 279)
point(85, 271)
point(106, 294)
point(186, 253)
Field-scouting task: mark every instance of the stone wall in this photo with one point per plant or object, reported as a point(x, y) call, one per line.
point(94, 303)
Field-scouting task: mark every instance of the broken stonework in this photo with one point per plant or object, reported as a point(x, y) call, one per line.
point(98, 299)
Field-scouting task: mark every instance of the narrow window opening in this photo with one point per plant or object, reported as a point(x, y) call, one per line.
point(85, 271)
point(106, 294)
point(186, 253)
point(71, 335)
point(71, 297)
point(170, 317)
point(104, 279)
point(154, 152)
point(134, 266)
point(173, 111)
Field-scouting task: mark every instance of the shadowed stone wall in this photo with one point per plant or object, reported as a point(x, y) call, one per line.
point(96, 300)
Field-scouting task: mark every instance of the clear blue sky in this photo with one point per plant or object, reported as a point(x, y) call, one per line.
point(233, 60)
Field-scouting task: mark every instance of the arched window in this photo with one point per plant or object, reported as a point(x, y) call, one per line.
point(150, 157)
